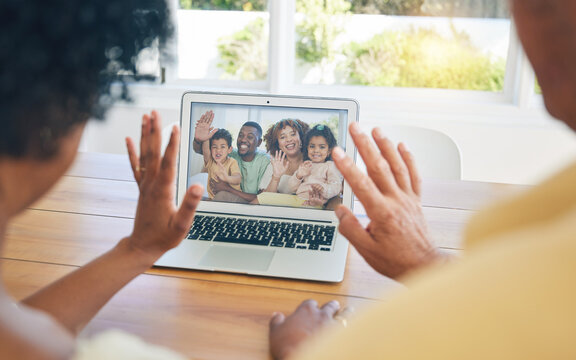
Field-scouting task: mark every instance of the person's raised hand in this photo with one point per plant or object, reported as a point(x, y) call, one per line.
point(287, 333)
point(279, 164)
point(396, 240)
point(158, 224)
point(315, 196)
point(204, 130)
point(218, 186)
point(304, 169)
point(220, 172)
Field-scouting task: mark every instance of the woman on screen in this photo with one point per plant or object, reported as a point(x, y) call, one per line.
point(284, 144)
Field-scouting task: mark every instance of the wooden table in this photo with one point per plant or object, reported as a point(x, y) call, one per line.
point(204, 315)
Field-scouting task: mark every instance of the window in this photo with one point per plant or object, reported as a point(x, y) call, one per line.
point(445, 44)
point(226, 40)
point(428, 49)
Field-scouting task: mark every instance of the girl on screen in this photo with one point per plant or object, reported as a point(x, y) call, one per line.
point(317, 180)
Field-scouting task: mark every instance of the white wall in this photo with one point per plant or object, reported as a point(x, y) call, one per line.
point(503, 146)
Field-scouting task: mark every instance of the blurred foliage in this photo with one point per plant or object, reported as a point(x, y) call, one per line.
point(239, 5)
point(244, 54)
point(449, 8)
point(317, 31)
point(387, 7)
point(423, 58)
point(466, 8)
point(415, 58)
point(537, 88)
point(332, 122)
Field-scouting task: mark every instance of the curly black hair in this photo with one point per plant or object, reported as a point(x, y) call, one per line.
point(271, 136)
point(319, 130)
point(58, 60)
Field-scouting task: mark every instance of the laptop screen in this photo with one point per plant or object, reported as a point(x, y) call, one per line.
point(266, 155)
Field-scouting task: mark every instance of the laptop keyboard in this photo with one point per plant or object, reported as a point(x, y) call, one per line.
point(262, 232)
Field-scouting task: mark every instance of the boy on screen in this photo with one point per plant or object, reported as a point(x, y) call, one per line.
point(251, 161)
point(217, 164)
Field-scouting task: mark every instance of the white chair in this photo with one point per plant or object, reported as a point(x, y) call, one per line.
point(437, 156)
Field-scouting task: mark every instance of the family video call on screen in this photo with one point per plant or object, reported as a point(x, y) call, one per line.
point(264, 155)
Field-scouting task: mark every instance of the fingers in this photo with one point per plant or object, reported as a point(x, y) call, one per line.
point(207, 117)
point(276, 320)
point(395, 162)
point(155, 144)
point(362, 186)
point(185, 214)
point(150, 143)
point(202, 119)
point(315, 193)
point(317, 187)
point(280, 156)
point(168, 167)
point(415, 179)
point(376, 166)
point(352, 230)
point(327, 310)
point(307, 305)
point(134, 160)
point(330, 308)
point(144, 139)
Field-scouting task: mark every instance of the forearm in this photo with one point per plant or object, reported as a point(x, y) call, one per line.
point(234, 179)
point(294, 182)
point(205, 151)
point(332, 189)
point(246, 196)
point(197, 146)
point(333, 185)
point(76, 298)
point(273, 185)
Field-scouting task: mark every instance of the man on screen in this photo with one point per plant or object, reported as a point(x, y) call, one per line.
point(252, 162)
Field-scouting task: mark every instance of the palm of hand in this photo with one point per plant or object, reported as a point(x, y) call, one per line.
point(204, 130)
point(279, 165)
point(396, 240)
point(154, 207)
point(305, 169)
point(221, 172)
point(315, 196)
point(158, 224)
point(400, 238)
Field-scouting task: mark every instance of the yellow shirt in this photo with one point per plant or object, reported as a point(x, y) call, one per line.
point(511, 296)
point(230, 166)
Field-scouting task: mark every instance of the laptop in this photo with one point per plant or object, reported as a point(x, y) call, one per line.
point(280, 233)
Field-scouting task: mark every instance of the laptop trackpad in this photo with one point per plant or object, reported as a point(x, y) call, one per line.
point(230, 257)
